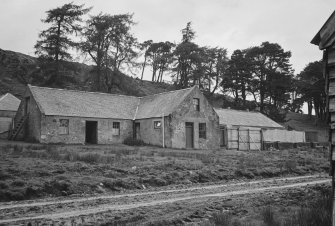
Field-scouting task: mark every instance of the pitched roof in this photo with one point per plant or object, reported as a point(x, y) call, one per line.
point(326, 35)
point(83, 104)
point(245, 119)
point(102, 105)
point(163, 103)
point(8, 102)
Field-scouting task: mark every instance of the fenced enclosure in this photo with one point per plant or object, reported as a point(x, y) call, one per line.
point(243, 138)
point(253, 138)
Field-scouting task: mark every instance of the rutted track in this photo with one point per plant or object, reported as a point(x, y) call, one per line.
point(69, 208)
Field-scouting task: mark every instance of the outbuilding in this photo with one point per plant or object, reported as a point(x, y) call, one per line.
point(176, 119)
point(248, 130)
point(8, 108)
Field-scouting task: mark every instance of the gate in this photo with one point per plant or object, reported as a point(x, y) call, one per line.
point(244, 139)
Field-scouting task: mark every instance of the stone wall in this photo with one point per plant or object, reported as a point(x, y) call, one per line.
point(154, 136)
point(187, 113)
point(50, 131)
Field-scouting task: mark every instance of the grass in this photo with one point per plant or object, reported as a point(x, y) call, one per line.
point(121, 167)
point(311, 212)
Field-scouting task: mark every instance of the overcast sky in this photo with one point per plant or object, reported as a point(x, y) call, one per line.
point(232, 24)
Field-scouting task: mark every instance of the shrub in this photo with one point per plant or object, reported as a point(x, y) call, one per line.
point(18, 183)
point(133, 142)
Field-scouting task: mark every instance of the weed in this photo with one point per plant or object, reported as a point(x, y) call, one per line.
point(133, 142)
point(269, 217)
point(18, 183)
point(17, 149)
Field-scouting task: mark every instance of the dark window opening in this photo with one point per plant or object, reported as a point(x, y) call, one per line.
point(116, 128)
point(202, 130)
point(196, 104)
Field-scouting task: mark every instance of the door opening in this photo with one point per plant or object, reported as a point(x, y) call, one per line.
point(91, 135)
point(26, 105)
point(222, 137)
point(137, 131)
point(189, 135)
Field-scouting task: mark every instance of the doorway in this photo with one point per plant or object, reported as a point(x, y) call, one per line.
point(91, 132)
point(189, 135)
point(222, 137)
point(26, 105)
point(137, 131)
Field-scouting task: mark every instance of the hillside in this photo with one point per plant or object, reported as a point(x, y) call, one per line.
point(17, 70)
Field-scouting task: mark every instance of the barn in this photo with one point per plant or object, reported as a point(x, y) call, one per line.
point(176, 119)
point(8, 107)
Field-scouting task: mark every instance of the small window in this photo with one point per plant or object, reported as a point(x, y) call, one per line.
point(157, 124)
point(202, 130)
point(63, 126)
point(196, 104)
point(116, 128)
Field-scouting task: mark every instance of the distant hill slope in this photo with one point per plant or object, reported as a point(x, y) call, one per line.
point(17, 70)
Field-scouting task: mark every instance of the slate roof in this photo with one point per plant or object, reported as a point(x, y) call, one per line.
point(162, 103)
point(8, 102)
point(84, 104)
point(102, 105)
point(245, 119)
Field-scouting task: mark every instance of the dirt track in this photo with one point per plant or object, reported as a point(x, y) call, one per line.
point(66, 210)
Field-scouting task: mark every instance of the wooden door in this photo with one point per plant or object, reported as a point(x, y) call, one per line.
point(189, 135)
point(137, 131)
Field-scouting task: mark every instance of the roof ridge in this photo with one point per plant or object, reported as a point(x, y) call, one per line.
point(83, 91)
point(172, 91)
point(238, 110)
point(3, 97)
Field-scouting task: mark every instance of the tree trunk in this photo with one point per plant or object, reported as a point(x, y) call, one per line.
point(143, 65)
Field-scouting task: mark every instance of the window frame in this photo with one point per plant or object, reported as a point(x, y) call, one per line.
point(155, 124)
point(116, 131)
point(196, 104)
point(61, 125)
point(202, 130)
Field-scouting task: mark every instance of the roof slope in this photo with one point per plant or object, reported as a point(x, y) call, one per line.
point(84, 104)
point(8, 102)
point(102, 105)
point(326, 35)
point(163, 103)
point(245, 118)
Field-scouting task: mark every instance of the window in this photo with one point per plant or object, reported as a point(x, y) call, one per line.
point(116, 128)
point(157, 124)
point(63, 126)
point(202, 130)
point(196, 104)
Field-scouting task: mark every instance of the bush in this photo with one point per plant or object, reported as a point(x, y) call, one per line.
point(18, 183)
point(133, 142)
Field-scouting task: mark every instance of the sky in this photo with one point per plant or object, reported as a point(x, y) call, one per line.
point(231, 24)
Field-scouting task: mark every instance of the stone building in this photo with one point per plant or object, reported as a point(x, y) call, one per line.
point(177, 119)
point(8, 107)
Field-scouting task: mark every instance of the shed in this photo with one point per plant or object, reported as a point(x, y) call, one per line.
point(8, 107)
point(247, 130)
point(177, 119)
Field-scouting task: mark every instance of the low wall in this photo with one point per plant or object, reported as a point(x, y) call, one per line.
point(283, 136)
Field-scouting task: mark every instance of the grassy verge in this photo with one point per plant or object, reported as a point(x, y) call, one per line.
point(29, 171)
